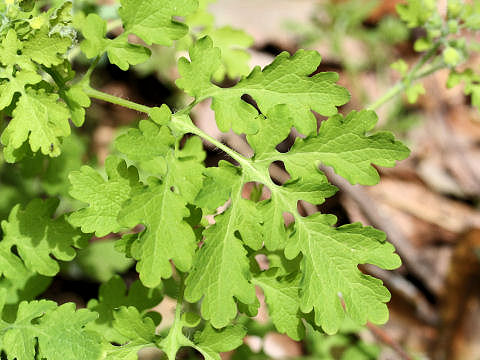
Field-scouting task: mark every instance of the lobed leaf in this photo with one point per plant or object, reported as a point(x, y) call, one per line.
point(37, 236)
point(60, 332)
point(286, 81)
point(104, 197)
point(152, 20)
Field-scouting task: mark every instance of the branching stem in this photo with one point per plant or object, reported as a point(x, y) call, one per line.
point(415, 73)
point(179, 119)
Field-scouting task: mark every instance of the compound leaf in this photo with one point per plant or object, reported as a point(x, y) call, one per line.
point(167, 235)
point(221, 271)
point(342, 143)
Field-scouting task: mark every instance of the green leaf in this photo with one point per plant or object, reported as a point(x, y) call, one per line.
point(11, 55)
point(216, 188)
point(37, 237)
point(413, 92)
point(152, 20)
point(221, 269)
point(18, 282)
point(211, 342)
point(232, 44)
point(60, 332)
point(286, 81)
point(451, 56)
point(11, 267)
point(55, 179)
point(472, 84)
point(100, 261)
point(416, 12)
point(282, 297)
point(330, 269)
point(164, 203)
point(343, 144)
point(167, 235)
point(41, 119)
point(113, 294)
point(119, 51)
point(15, 84)
point(77, 101)
point(104, 197)
point(150, 143)
point(46, 49)
point(401, 66)
point(138, 331)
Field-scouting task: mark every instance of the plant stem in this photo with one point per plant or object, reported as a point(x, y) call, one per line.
point(91, 68)
point(413, 75)
point(100, 95)
point(191, 128)
point(181, 291)
point(394, 91)
point(180, 120)
point(423, 60)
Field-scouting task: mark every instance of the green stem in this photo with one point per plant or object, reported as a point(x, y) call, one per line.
point(394, 91)
point(181, 291)
point(413, 75)
point(96, 94)
point(180, 120)
point(91, 68)
point(423, 60)
point(180, 123)
point(401, 86)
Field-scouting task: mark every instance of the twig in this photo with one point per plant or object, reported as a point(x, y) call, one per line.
point(384, 338)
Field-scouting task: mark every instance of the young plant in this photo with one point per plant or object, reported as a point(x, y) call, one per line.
point(211, 269)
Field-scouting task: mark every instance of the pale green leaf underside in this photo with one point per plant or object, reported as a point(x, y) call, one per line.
point(221, 272)
point(282, 297)
point(330, 269)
